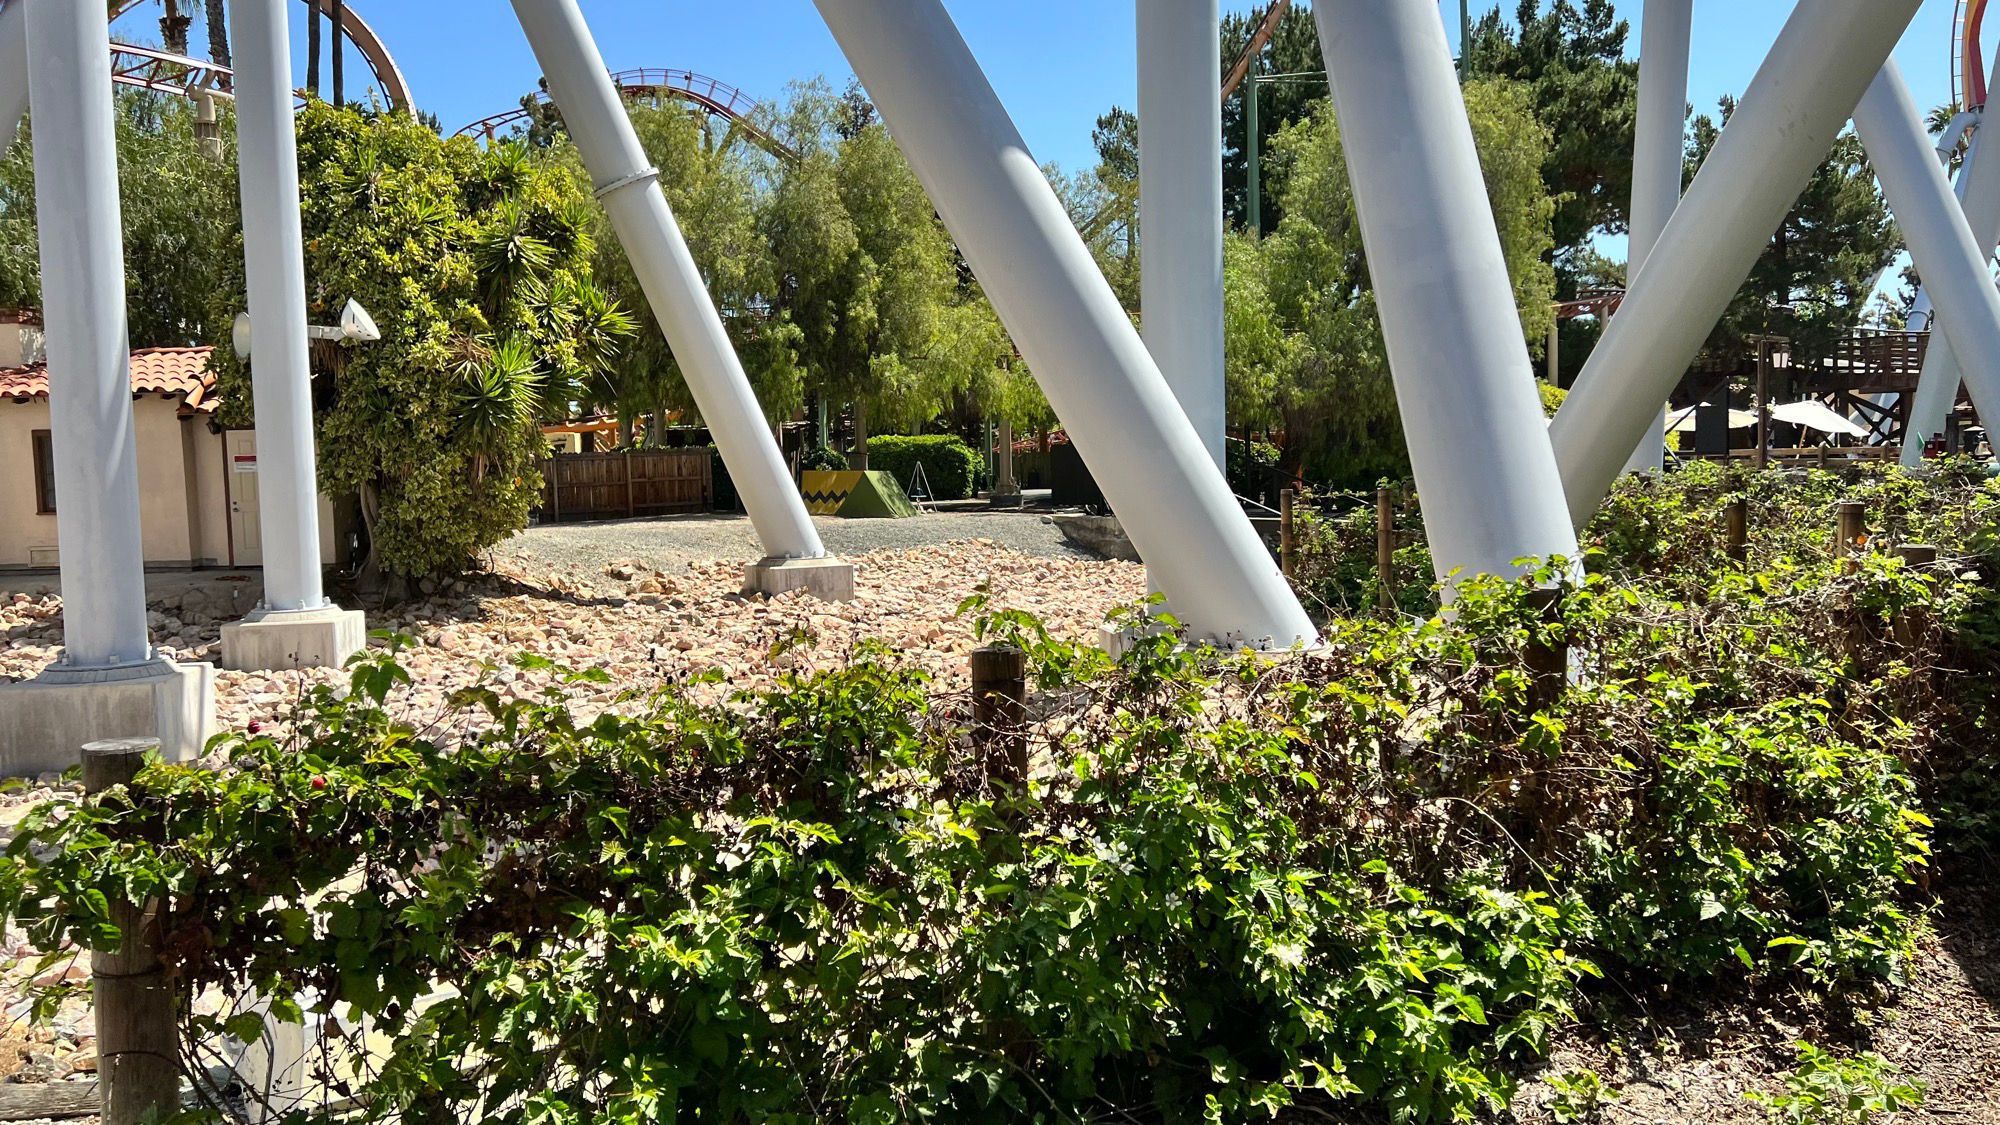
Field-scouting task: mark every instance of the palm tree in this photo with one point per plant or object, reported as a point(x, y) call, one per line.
point(218, 32)
point(174, 28)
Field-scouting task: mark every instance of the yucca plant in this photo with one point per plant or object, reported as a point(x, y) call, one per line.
point(501, 395)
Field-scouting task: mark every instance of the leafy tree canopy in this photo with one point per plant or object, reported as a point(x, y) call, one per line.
point(1814, 280)
point(477, 268)
point(1571, 58)
point(1293, 49)
point(1305, 347)
point(886, 317)
point(180, 214)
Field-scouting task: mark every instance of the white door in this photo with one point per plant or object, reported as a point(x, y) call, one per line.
point(245, 533)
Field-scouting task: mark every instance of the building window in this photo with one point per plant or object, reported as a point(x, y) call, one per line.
point(45, 472)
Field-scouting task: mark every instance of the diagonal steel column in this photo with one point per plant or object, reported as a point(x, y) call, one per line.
point(628, 186)
point(1937, 390)
point(1941, 241)
point(83, 298)
point(13, 69)
point(1090, 362)
point(1657, 162)
point(1824, 59)
point(1464, 385)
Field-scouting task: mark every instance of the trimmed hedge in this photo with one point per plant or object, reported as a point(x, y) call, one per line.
point(953, 468)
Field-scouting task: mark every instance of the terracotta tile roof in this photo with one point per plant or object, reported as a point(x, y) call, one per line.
point(168, 371)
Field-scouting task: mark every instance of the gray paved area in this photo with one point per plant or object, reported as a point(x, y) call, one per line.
point(671, 543)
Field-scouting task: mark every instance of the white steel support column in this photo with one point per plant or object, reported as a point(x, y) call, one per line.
point(1801, 97)
point(1092, 365)
point(1937, 390)
point(1464, 384)
point(13, 69)
point(83, 307)
point(1180, 208)
point(274, 266)
point(628, 186)
point(1940, 241)
point(108, 683)
point(294, 626)
point(1657, 162)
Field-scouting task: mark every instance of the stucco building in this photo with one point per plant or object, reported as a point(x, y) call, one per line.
point(197, 481)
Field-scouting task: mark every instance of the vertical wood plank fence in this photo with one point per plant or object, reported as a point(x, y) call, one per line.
point(612, 486)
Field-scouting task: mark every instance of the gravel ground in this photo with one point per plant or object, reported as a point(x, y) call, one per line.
point(670, 544)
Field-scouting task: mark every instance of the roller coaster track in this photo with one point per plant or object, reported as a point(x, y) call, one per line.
point(1258, 39)
point(715, 98)
point(161, 72)
point(149, 66)
point(1968, 58)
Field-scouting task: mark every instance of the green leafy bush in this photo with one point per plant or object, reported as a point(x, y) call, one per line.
point(1826, 1089)
point(953, 468)
point(1381, 873)
point(821, 457)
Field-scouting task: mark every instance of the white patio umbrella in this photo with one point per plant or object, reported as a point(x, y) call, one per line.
point(1817, 415)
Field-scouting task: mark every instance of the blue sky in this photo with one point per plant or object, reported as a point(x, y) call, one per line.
point(1057, 65)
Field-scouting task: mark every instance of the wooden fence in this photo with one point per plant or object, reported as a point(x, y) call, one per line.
point(610, 486)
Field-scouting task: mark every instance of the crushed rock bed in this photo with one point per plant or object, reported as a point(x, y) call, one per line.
point(641, 625)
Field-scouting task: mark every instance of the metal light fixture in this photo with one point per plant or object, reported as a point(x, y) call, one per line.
point(355, 327)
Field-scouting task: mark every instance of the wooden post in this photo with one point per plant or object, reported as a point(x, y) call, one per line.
point(1385, 549)
point(1917, 556)
point(1548, 665)
point(1851, 528)
point(137, 1039)
point(1820, 455)
point(1737, 520)
point(1287, 541)
point(1763, 403)
point(1913, 624)
point(630, 508)
point(1000, 710)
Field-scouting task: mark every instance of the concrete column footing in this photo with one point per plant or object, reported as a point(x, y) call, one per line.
point(829, 579)
point(270, 640)
point(44, 722)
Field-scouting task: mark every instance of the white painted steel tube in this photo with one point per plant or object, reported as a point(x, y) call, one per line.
point(274, 266)
point(1180, 208)
point(1658, 162)
point(13, 69)
point(1937, 389)
point(1941, 242)
point(1801, 97)
point(628, 186)
point(83, 305)
point(1091, 364)
point(1464, 384)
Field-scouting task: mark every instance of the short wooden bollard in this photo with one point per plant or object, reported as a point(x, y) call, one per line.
point(1000, 711)
point(1736, 520)
point(1917, 556)
point(1548, 665)
point(1851, 530)
point(138, 1042)
point(1822, 458)
point(1385, 549)
point(1288, 543)
point(1912, 624)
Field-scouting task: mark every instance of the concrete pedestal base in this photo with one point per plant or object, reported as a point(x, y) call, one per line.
point(272, 640)
point(45, 721)
point(1005, 500)
point(829, 580)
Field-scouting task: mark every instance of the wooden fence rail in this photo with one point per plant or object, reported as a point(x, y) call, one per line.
point(610, 486)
